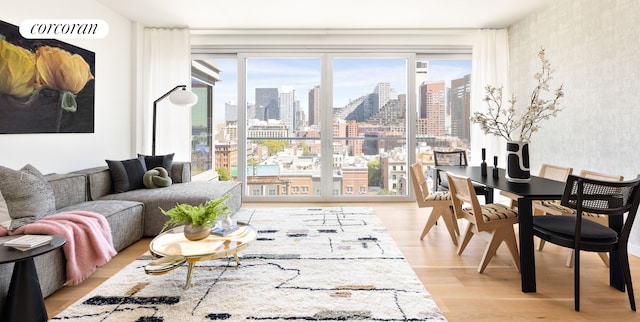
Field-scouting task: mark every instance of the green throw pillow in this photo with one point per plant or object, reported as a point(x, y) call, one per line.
point(157, 177)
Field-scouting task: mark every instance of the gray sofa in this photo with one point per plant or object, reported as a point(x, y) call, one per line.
point(131, 215)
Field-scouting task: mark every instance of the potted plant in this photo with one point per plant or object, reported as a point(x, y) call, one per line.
point(198, 220)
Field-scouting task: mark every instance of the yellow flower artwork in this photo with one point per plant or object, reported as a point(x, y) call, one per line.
point(46, 86)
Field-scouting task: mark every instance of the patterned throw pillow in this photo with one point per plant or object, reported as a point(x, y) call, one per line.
point(26, 195)
point(127, 174)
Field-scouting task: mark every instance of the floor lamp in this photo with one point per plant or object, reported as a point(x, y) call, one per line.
point(183, 97)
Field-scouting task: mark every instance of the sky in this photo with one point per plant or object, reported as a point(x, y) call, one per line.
point(352, 77)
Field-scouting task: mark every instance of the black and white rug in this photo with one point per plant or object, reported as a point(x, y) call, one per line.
point(315, 264)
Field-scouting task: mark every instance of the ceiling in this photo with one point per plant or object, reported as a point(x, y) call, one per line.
point(325, 14)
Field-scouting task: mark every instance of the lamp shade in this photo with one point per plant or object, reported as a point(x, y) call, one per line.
point(183, 97)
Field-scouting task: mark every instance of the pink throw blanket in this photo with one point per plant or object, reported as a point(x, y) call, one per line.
point(88, 245)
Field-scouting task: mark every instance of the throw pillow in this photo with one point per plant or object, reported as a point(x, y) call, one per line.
point(127, 174)
point(154, 161)
point(26, 194)
point(157, 177)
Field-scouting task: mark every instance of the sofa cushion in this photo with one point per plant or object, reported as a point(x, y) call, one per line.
point(68, 189)
point(26, 195)
point(125, 219)
point(154, 161)
point(127, 174)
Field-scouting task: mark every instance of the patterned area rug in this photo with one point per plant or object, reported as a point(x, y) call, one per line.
point(317, 264)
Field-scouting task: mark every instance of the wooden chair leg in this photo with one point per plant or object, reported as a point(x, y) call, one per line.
point(570, 258)
point(512, 245)
point(433, 218)
point(465, 238)
point(490, 250)
point(450, 222)
point(498, 236)
point(541, 244)
point(455, 221)
point(605, 258)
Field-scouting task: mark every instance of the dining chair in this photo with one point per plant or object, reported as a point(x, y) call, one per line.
point(607, 198)
point(547, 171)
point(495, 219)
point(553, 207)
point(457, 157)
point(439, 202)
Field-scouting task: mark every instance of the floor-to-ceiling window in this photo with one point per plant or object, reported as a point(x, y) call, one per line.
point(335, 126)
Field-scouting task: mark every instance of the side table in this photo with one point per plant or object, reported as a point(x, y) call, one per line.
point(24, 301)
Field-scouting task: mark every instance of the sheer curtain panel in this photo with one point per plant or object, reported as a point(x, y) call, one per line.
point(167, 63)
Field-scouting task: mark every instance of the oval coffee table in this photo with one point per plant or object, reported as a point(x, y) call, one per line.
point(176, 248)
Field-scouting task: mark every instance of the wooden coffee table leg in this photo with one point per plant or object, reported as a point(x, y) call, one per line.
point(189, 271)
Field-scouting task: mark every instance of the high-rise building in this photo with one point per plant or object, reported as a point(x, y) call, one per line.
point(460, 107)
point(287, 99)
point(434, 94)
point(385, 93)
point(230, 112)
point(422, 77)
point(314, 105)
point(266, 105)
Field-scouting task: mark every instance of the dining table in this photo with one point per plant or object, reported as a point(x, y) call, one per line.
point(537, 188)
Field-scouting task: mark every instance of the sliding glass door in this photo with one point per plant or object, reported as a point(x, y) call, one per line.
point(326, 127)
point(369, 122)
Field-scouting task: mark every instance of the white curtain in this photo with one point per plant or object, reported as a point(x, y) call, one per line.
point(167, 63)
point(490, 66)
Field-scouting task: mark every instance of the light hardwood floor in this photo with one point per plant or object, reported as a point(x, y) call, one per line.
point(460, 292)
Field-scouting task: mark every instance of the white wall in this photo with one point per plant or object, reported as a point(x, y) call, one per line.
point(593, 46)
point(113, 95)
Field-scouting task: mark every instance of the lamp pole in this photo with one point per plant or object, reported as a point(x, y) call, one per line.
point(155, 107)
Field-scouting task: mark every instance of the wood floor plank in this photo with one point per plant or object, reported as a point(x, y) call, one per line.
point(459, 290)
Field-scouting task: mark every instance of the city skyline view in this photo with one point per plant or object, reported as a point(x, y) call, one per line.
point(369, 126)
point(353, 77)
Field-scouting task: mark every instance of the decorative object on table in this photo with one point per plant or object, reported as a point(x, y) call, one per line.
point(518, 169)
point(225, 227)
point(504, 121)
point(183, 97)
point(198, 220)
point(495, 166)
point(26, 242)
point(483, 165)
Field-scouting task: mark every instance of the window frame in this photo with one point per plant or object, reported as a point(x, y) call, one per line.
point(425, 44)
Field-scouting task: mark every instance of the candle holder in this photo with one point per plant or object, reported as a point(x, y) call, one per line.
point(483, 165)
point(495, 166)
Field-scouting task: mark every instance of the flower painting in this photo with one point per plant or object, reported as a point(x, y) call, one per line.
point(46, 86)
